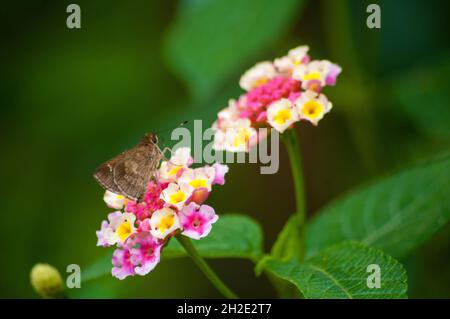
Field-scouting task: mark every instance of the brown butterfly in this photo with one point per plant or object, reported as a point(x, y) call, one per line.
point(129, 173)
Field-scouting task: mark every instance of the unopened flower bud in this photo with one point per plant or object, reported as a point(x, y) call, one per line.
point(47, 281)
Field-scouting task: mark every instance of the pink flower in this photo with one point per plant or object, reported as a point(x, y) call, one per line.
point(199, 195)
point(257, 75)
point(182, 157)
point(151, 202)
point(144, 252)
point(170, 170)
point(282, 114)
point(117, 229)
point(142, 229)
point(197, 221)
point(316, 74)
point(200, 177)
point(152, 196)
point(139, 209)
point(102, 240)
point(144, 226)
point(295, 57)
point(256, 101)
point(290, 77)
point(122, 266)
point(113, 200)
point(332, 75)
point(220, 171)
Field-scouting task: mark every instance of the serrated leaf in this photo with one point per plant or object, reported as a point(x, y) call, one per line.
point(341, 271)
point(232, 236)
point(395, 214)
point(210, 40)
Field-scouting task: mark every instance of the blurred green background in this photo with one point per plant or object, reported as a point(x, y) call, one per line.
point(71, 99)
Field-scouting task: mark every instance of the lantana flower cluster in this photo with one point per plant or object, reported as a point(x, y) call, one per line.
point(278, 94)
point(172, 204)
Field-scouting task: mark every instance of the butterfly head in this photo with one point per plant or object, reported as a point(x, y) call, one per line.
point(149, 139)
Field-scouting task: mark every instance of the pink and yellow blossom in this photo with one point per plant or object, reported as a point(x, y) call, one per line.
point(122, 266)
point(312, 106)
point(316, 74)
point(144, 252)
point(259, 74)
point(282, 114)
point(114, 201)
point(201, 177)
point(142, 229)
point(295, 57)
point(278, 94)
point(117, 229)
point(176, 194)
point(163, 222)
point(170, 170)
point(197, 220)
point(219, 173)
point(138, 256)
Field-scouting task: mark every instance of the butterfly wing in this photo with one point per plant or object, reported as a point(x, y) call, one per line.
point(104, 174)
point(133, 172)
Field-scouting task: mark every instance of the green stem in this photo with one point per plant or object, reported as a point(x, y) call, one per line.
point(293, 148)
point(204, 267)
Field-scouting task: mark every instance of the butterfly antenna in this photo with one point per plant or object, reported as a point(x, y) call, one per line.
point(167, 129)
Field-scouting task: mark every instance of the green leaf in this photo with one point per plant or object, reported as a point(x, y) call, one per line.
point(232, 236)
point(210, 40)
point(395, 214)
point(97, 269)
point(287, 245)
point(341, 271)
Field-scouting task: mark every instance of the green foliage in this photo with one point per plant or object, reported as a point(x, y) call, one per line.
point(97, 269)
point(395, 214)
point(199, 43)
point(73, 98)
point(287, 245)
point(340, 271)
point(233, 236)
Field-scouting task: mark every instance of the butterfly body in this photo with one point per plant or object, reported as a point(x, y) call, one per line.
point(130, 172)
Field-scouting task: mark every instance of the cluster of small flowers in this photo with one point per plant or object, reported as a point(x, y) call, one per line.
point(279, 93)
point(173, 203)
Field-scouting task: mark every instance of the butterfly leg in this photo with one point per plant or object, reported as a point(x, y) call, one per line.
point(163, 153)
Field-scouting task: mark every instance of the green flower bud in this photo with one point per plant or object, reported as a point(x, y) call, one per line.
point(47, 281)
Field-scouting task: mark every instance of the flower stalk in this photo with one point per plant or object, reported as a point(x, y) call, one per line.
point(293, 149)
point(204, 267)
